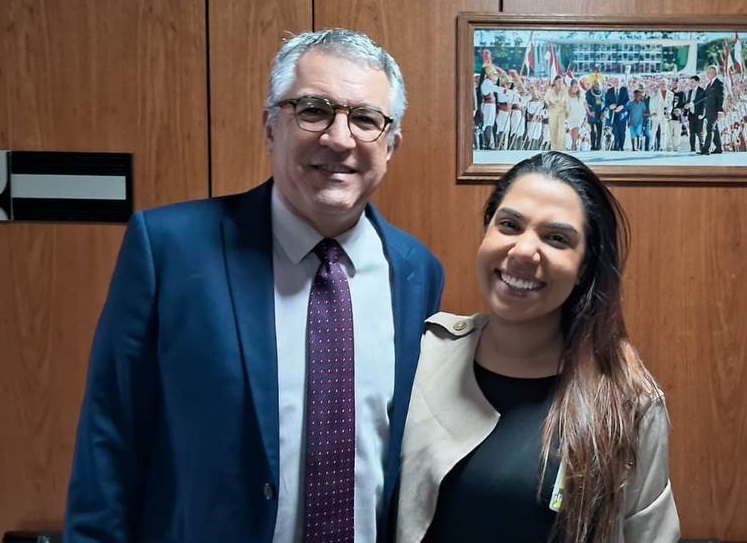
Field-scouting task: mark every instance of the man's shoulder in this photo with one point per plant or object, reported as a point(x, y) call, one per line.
point(397, 238)
point(206, 207)
point(203, 218)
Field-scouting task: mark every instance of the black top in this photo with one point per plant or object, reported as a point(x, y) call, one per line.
point(491, 494)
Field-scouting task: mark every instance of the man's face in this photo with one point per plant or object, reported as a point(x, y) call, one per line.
point(711, 73)
point(326, 178)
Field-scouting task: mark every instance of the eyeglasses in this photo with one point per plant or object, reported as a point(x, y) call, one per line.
point(316, 114)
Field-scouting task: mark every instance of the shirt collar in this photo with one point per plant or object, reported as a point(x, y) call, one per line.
point(297, 238)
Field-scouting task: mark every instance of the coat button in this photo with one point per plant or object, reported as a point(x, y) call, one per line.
point(460, 325)
point(269, 491)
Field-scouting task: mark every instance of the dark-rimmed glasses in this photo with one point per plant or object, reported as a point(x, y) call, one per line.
point(316, 114)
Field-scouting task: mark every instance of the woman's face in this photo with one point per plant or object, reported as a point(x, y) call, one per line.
point(531, 255)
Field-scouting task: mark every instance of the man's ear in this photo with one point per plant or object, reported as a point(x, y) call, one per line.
point(391, 147)
point(267, 127)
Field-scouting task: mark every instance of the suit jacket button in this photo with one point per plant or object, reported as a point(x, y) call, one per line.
point(460, 325)
point(269, 491)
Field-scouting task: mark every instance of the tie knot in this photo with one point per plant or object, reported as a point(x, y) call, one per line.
point(328, 250)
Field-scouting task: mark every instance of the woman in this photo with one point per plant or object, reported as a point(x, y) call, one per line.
point(538, 421)
point(556, 101)
point(576, 112)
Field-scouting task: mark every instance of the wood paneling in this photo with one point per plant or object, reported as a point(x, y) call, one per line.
point(244, 37)
point(625, 7)
point(82, 75)
point(686, 300)
point(581, 7)
point(686, 293)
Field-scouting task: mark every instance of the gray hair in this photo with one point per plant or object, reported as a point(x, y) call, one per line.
point(348, 44)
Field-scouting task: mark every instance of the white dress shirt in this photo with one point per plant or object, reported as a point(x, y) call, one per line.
point(373, 328)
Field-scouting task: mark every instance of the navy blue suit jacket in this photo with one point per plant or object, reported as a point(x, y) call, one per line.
point(714, 99)
point(178, 432)
point(621, 100)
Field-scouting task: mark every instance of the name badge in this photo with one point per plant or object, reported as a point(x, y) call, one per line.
point(556, 500)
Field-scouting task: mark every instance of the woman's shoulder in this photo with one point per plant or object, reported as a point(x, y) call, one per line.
point(447, 324)
point(450, 339)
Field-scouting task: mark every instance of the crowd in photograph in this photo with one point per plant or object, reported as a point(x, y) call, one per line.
point(697, 113)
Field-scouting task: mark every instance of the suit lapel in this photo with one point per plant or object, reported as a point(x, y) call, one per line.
point(407, 299)
point(247, 238)
point(446, 403)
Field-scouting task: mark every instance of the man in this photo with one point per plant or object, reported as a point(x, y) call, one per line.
point(477, 138)
point(194, 423)
point(660, 107)
point(714, 111)
point(646, 95)
point(489, 90)
point(637, 114)
point(694, 106)
point(675, 118)
point(615, 100)
point(594, 111)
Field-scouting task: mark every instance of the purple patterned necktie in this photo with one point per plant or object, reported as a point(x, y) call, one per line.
point(330, 404)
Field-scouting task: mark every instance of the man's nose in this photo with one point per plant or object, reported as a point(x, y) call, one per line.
point(338, 136)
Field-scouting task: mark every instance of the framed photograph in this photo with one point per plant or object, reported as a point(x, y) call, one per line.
point(639, 99)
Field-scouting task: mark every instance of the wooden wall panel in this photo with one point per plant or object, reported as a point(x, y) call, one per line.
point(686, 294)
point(244, 37)
point(581, 7)
point(82, 75)
point(625, 7)
point(686, 302)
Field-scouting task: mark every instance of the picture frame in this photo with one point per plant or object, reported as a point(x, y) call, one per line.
point(522, 53)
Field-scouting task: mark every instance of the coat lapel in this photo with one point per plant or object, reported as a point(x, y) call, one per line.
point(448, 417)
point(408, 325)
point(247, 238)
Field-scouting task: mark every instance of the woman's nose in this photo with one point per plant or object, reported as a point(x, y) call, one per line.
point(526, 247)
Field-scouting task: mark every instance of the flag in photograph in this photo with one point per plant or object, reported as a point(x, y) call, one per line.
point(728, 61)
point(727, 67)
point(569, 76)
point(554, 68)
point(529, 55)
point(738, 58)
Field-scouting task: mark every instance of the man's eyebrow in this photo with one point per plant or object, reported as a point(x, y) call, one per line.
point(512, 212)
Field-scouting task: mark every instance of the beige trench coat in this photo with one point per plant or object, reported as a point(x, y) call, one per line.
point(449, 417)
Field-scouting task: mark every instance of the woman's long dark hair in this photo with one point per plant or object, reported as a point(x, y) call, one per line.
point(593, 422)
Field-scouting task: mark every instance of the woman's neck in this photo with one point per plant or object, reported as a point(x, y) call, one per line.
point(527, 349)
